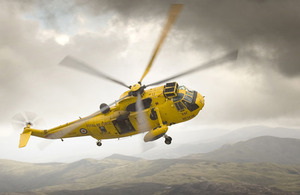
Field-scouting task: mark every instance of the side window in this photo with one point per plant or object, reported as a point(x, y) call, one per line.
point(179, 106)
point(123, 126)
point(102, 128)
point(190, 107)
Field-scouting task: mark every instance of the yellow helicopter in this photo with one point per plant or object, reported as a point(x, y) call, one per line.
point(137, 110)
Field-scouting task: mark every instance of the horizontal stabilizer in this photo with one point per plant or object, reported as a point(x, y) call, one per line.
point(24, 138)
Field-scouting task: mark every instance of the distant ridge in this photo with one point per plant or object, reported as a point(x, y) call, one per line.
point(123, 157)
point(215, 142)
point(249, 132)
point(261, 149)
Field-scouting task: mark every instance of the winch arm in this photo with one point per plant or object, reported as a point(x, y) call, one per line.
point(159, 116)
point(157, 132)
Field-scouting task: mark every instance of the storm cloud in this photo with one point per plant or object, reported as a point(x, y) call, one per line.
point(265, 32)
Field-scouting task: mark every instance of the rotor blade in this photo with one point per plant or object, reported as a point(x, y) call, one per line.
point(173, 13)
point(147, 146)
point(18, 125)
point(19, 117)
point(20, 120)
point(83, 120)
point(44, 144)
point(98, 112)
point(126, 96)
point(219, 61)
point(31, 116)
point(34, 119)
point(143, 124)
point(71, 62)
point(109, 105)
point(142, 121)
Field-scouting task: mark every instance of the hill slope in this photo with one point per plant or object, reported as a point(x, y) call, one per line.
point(210, 143)
point(260, 149)
point(246, 167)
point(173, 176)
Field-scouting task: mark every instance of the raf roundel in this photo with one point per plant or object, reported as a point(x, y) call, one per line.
point(83, 131)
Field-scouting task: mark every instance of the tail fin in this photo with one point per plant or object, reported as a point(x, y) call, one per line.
point(24, 138)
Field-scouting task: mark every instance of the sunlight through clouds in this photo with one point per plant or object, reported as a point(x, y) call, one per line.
point(62, 39)
point(45, 35)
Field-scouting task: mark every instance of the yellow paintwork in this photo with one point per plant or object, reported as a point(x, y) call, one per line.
point(24, 138)
point(167, 114)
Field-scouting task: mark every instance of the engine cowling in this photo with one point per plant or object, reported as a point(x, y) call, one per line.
point(156, 133)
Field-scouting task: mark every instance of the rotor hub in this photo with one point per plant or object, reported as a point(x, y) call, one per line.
point(28, 124)
point(136, 89)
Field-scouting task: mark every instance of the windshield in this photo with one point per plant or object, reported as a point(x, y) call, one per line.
point(185, 100)
point(178, 97)
point(189, 96)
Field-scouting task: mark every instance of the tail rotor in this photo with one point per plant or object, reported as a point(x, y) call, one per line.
point(26, 119)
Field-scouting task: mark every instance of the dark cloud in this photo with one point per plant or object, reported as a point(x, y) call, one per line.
point(52, 12)
point(128, 9)
point(270, 25)
point(213, 25)
point(264, 31)
point(208, 25)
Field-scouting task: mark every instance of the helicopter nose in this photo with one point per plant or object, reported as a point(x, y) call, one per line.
point(200, 101)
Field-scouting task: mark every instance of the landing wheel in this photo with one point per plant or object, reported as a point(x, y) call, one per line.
point(99, 143)
point(168, 140)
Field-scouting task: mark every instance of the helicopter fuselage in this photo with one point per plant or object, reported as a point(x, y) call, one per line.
point(159, 110)
point(163, 106)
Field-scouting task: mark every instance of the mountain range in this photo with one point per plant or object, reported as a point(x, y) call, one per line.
point(262, 165)
point(213, 139)
point(260, 149)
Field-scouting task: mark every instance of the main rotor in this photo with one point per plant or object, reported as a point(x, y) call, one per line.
point(71, 62)
point(138, 88)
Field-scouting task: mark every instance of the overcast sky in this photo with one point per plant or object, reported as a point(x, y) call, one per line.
point(118, 38)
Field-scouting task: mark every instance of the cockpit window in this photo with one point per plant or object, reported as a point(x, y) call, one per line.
point(178, 97)
point(190, 106)
point(179, 106)
point(187, 100)
point(189, 96)
point(182, 87)
point(189, 93)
